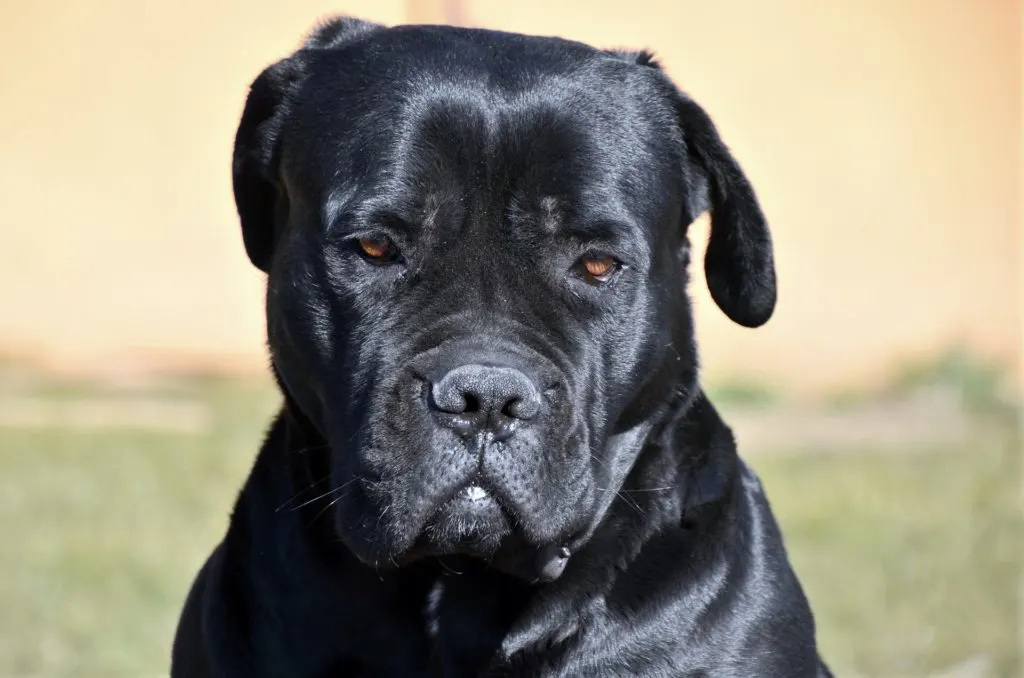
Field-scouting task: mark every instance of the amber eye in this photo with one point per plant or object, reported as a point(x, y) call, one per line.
point(377, 249)
point(599, 268)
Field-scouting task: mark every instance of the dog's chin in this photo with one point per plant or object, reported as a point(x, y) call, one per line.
point(473, 526)
point(471, 523)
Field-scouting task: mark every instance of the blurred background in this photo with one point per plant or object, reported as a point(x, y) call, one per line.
point(880, 403)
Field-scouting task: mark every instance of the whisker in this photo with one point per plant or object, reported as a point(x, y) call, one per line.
point(382, 514)
point(316, 498)
point(325, 508)
point(298, 494)
point(449, 569)
point(632, 504)
point(311, 448)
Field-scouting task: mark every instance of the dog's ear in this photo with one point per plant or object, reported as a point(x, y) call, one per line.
point(254, 166)
point(739, 264)
point(258, 193)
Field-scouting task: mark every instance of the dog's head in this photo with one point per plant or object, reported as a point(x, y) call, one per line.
point(476, 246)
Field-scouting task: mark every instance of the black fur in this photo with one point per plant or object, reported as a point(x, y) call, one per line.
point(594, 519)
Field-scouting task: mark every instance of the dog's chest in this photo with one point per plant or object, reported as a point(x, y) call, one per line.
point(466, 624)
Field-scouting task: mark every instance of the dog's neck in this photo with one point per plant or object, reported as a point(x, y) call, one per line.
point(682, 474)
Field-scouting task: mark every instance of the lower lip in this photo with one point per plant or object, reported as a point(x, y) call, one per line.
point(475, 501)
point(473, 511)
point(475, 493)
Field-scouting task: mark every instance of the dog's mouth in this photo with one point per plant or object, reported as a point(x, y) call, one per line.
point(473, 521)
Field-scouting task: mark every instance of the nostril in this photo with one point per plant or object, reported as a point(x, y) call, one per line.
point(472, 403)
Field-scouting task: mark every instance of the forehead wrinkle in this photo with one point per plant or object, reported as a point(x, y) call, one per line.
point(339, 198)
point(497, 105)
point(544, 103)
point(550, 214)
point(478, 81)
point(418, 159)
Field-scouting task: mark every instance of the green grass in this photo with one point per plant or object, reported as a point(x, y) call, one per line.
point(911, 561)
point(742, 392)
point(103, 531)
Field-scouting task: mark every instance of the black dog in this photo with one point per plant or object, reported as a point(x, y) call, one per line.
point(494, 457)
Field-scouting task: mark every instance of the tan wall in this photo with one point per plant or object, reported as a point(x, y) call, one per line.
point(883, 137)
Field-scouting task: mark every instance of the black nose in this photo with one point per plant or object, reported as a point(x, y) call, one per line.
point(476, 397)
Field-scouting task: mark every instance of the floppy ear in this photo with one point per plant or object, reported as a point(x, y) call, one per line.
point(739, 265)
point(254, 166)
point(259, 197)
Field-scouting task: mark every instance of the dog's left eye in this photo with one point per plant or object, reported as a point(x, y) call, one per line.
point(597, 268)
point(377, 249)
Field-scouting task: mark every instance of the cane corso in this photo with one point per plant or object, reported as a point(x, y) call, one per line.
point(494, 457)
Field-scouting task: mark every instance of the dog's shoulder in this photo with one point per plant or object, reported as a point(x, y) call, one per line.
point(189, 652)
point(709, 591)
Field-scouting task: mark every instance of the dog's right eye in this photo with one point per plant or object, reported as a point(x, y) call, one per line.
point(377, 249)
point(597, 268)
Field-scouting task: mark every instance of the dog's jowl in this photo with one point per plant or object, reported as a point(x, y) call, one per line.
point(494, 457)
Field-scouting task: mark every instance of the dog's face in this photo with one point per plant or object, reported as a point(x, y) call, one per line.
point(475, 247)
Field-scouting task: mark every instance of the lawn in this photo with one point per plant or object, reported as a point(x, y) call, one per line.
point(912, 561)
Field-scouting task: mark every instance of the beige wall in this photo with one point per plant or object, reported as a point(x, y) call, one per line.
point(883, 137)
